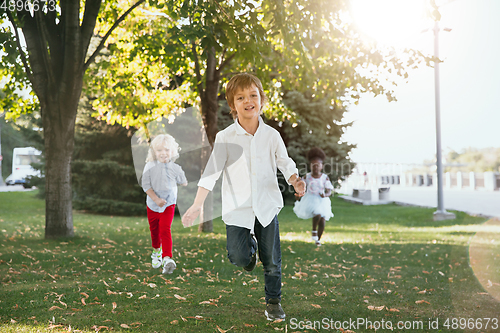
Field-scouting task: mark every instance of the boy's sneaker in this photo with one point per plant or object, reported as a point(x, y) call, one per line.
point(274, 310)
point(318, 242)
point(156, 256)
point(314, 238)
point(168, 265)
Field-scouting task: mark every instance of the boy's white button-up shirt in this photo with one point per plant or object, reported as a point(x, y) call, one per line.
point(249, 163)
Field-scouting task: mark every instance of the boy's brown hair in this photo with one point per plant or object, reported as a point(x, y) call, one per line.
point(242, 81)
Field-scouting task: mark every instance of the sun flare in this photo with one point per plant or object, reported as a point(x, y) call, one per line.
point(390, 22)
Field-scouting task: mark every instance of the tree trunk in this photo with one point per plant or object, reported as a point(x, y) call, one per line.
point(58, 117)
point(209, 108)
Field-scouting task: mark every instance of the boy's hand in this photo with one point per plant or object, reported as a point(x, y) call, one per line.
point(300, 187)
point(190, 215)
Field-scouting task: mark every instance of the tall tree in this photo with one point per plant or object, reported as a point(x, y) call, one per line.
point(47, 50)
point(195, 47)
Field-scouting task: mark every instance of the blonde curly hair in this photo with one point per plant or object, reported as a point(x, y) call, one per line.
point(166, 141)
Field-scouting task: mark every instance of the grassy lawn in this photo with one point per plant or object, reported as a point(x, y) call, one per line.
point(377, 263)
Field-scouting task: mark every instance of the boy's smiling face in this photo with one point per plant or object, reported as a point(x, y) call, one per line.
point(247, 103)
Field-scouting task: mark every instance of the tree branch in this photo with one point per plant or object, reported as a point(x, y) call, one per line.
point(72, 61)
point(103, 40)
point(197, 70)
point(44, 54)
point(226, 62)
point(21, 52)
point(92, 8)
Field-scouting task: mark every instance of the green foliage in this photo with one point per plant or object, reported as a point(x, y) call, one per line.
point(16, 97)
point(168, 61)
point(474, 159)
point(102, 173)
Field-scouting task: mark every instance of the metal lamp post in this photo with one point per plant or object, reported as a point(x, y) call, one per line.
point(440, 214)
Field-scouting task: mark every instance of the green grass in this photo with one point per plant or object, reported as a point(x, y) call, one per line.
point(388, 263)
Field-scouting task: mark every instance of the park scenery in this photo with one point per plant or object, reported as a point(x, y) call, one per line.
point(111, 109)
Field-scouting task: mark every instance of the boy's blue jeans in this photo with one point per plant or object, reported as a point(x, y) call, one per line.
point(241, 246)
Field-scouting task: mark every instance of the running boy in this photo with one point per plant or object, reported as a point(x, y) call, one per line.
point(249, 152)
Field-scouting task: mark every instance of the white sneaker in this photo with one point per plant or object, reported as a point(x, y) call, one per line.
point(156, 257)
point(168, 265)
point(318, 243)
point(314, 238)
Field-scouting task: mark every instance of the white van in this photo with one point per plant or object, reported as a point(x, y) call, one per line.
point(21, 165)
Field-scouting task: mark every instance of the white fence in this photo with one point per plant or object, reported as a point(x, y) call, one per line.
point(489, 181)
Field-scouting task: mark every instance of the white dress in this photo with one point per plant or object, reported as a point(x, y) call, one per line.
point(312, 204)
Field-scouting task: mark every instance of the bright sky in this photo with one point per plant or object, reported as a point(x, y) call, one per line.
point(404, 131)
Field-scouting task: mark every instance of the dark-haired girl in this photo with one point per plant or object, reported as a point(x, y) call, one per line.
point(316, 203)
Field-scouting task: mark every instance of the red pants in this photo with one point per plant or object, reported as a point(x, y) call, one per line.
point(160, 227)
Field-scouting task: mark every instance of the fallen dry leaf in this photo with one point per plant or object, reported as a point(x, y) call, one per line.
point(249, 325)
point(174, 322)
point(85, 294)
point(52, 326)
point(317, 306)
point(376, 308)
point(394, 310)
point(143, 296)
point(124, 326)
point(83, 301)
point(422, 301)
point(223, 331)
point(180, 297)
point(55, 307)
point(183, 319)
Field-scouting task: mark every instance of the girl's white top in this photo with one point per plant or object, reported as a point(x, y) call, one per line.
point(250, 164)
point(163, 179)
point(316, 186)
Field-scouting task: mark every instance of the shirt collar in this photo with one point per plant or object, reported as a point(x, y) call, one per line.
point(241, 131)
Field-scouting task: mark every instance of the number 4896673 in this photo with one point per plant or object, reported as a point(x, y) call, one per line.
point(28, 5)
point(471, 323)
